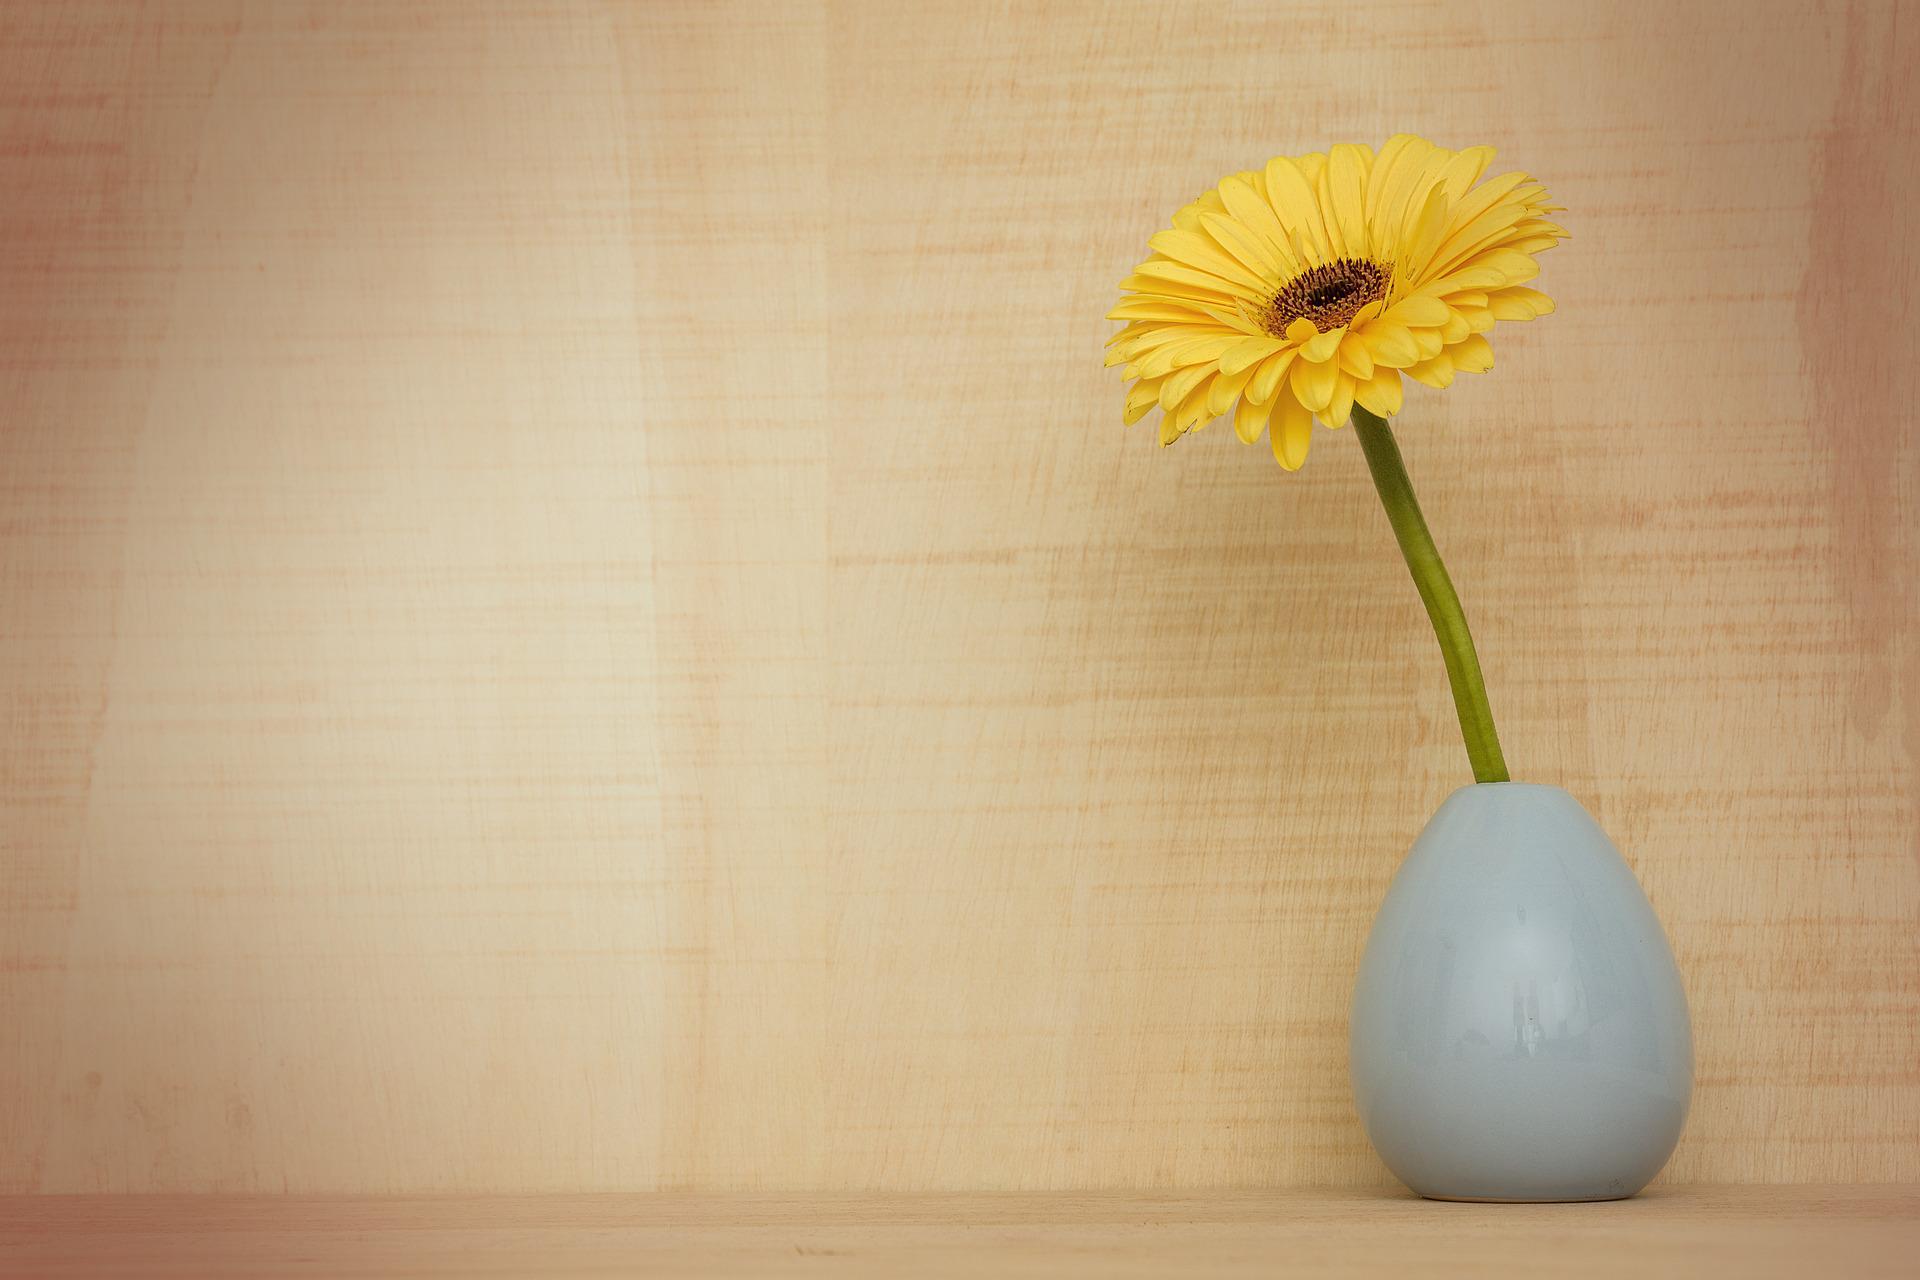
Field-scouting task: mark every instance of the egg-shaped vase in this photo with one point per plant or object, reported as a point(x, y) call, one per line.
point(1519, 1030)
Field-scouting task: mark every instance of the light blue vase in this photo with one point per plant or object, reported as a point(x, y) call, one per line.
point(1519, 1028)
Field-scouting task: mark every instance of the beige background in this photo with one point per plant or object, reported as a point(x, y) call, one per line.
point(575, 611)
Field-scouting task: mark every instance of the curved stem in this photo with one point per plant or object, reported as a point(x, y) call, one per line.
point(1436, 592)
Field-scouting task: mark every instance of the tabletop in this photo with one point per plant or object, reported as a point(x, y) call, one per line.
point(1749, 1231)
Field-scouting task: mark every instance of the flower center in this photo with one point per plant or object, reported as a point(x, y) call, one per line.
point(1328, 294)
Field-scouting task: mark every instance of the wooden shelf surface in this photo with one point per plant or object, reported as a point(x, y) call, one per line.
point(1748, 1231)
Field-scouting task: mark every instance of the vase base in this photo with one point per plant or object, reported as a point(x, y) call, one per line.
point(1600, 1199)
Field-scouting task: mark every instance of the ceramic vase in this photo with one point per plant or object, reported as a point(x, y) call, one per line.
point(1519, 1029)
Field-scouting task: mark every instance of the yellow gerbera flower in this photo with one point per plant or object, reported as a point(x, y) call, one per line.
point(1303, 289)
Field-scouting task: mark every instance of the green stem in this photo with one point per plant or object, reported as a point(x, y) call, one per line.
point(1436, 592)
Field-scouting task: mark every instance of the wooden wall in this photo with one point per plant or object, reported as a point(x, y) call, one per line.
point(575, 611)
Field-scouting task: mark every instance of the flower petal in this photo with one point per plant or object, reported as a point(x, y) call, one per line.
point(1464, 170)
point(1178, 386)
point(1249, 248)
point(1396, 157)
point(1354, 356)
point(1473, 355)
point(1201, 252)
point(1514, 266)
point(1392, 344)
point(1381, 394)
point(1268, 379)
point(1140, 398)
point(1205, 349)
point(1519, 303)
point(1418, 311)
point(1187, 218)
point(1344, 185)
point(1138, 308)
point(1423, 236)
point(1226, 388)
point(1297, 209)
point(1292, 432)
point(1247, 352)
point(1340, 407)
point(1192, 413)
point(1250, 419)
point(1405, 193)
point(1257, 216)
point(1479, 319)
point(1437, 372)
point(1313, 383)
point(1321, 346)
point(1186, 279)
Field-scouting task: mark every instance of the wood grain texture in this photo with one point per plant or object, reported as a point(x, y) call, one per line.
point(575, 613)
point(1750, 1231)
